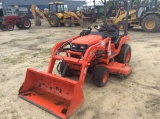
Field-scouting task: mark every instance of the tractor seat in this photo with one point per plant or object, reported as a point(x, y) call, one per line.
point(111, 31)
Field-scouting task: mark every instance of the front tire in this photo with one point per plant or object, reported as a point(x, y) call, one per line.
point(150, 23)
point(77, 24)
point(10, 27)
point(100, 76)
point(19, 25)
point(64, 69)
point(62, 24)
point(122, 25)
point(68, 23)
point(4, 27)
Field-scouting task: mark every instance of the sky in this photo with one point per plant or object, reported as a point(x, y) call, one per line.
point(88, 0)
point(92, 0)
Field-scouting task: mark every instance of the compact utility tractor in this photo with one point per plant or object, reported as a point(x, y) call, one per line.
point(99, 53)
point(12, 16)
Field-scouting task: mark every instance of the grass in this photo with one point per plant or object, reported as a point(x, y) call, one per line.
point(45, 52)
point(16, 59)
point(23, 56)
point(2, 95)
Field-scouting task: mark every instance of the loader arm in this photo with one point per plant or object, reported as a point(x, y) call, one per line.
point(121, 16)
point(72, 14)
point(34, 9)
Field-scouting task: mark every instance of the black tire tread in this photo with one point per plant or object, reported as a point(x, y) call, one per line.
point(68, 21)
point(77, 24)
point(4, 28)
point(62, 66)
point(56, 21)
point(19, 25)
point(62, 24)
point(98, 76)
point(122, 54)
point(124, 25)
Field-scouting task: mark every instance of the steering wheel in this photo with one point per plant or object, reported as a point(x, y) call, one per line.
point(100, 28)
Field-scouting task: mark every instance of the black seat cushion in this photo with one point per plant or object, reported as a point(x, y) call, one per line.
point(112, 31)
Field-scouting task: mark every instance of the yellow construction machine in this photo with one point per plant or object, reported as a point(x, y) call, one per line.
point(55, 14)
point(146, 15)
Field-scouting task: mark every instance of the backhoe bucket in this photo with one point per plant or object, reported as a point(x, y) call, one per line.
point(85, 22)
point(55, 94)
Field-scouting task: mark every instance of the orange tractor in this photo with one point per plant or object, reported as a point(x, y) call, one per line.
point(101, 53)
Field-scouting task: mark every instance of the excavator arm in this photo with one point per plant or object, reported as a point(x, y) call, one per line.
point(34, 9)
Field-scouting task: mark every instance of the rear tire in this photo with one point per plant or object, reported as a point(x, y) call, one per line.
point(26, 23)
point(19, 25)
point(100, 76)
point(124, 55)
point(54, 21)
point(150, 23)
point(68, 23)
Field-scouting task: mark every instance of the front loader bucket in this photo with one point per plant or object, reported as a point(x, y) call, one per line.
point(55, 94)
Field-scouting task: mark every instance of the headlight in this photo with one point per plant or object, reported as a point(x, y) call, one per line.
point(74, 46)
point(82, 47)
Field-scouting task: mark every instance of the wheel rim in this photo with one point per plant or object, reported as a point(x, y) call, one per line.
point(26, 23)
point(105, 77)
point(128, 56)
point(150, 24)
point(67, 24)
point(10, 27)
point(121, 27)
point(52, 21)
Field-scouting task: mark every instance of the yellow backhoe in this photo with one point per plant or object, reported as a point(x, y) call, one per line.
point(141, 13)
point(56, 15)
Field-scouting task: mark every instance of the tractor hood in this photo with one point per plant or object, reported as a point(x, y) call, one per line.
point(88, 39)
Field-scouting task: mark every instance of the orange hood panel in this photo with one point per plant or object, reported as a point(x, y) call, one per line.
point(88, 39)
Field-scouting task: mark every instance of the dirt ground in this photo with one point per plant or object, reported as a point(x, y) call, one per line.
point(135, 97)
